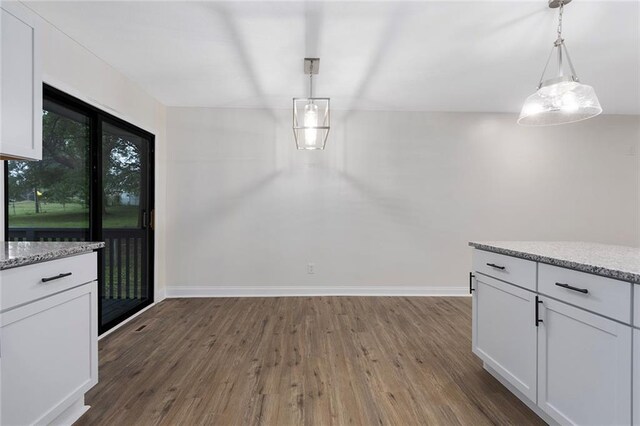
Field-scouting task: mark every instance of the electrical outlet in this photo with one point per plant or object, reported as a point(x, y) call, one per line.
point(311, 268)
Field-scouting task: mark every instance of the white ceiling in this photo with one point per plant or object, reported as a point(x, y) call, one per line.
point(382, 55)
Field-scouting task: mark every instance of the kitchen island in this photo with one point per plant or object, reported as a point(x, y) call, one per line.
point(48, 330)
point(558, 323)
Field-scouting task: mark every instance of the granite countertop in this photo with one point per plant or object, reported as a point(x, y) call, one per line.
point(13, 254)
point(619, 262)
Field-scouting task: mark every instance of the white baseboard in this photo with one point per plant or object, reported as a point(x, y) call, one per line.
point(304, 290)
point(161, 294)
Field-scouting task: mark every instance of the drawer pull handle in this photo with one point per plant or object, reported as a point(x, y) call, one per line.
point(570, 287)
point(493, 265)
point(57, 277)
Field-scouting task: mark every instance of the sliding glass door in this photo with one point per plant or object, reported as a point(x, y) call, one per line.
point(126, 221)
point(95, 182)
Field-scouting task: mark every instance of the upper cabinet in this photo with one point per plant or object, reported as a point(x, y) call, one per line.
point(21, 84)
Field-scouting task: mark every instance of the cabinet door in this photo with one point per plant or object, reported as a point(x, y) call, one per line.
point(504, 332)
point(636, 377)
point(584, 366)
point(21, 84)
point(49, 355)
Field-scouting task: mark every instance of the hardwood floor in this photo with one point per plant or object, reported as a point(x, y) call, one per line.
point(299, 360)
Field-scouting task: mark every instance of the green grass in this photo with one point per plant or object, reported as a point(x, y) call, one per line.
point(53, 215)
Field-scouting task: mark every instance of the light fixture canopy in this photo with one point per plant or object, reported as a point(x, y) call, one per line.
point(562, 99)
point(311, 116)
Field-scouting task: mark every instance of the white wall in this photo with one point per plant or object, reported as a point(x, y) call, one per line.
point(70, 67)
point(392, 202)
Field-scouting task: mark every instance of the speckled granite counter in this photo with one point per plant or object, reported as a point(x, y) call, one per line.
point(619, 262)
point(13, 254)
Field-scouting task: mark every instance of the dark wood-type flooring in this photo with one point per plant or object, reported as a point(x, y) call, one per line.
point(299, 360)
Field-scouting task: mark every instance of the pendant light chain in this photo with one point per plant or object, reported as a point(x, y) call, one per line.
point(559, 41)
point(559, 44)
point(560, 22)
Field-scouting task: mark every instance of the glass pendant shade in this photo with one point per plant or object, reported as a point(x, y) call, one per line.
point(562, 99)
point(311, 122)
point(560, 102)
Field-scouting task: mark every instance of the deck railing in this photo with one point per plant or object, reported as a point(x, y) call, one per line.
point(123, 258)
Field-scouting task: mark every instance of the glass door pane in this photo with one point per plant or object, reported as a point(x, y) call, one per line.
point(125, 218)
point(48, 200)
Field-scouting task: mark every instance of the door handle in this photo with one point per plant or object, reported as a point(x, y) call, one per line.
point(538, 302)
point(144, 219)
point(471, 277)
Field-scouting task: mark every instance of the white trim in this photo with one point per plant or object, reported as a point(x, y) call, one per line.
point(303, 290)
point(106, 333)
point(71, 91)
point(160, 294)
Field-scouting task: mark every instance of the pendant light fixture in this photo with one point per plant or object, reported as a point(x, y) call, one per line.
point(562, 99)
point(311, 115)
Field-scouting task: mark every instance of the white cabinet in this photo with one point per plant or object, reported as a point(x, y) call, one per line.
point(584, 365)
point(504, 331)
point(568, 348)
point(49, 349)
point(636, 377)
point(20, 84)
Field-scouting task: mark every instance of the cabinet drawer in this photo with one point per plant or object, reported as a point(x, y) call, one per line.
point(604, 296)
point(511, 269)
point(24, 284)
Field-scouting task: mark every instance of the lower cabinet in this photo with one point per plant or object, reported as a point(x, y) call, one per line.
point(584, 366)
point(504, 332)
point(49, 357)
point(572, 365)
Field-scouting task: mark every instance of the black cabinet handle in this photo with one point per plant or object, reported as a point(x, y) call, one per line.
point(471, 289)
point(57, 277)
point(538, 302)
point(570, 287)
point(493, 265)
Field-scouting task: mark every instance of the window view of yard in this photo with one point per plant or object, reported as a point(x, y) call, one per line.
point(54, 192)
point(22, 214)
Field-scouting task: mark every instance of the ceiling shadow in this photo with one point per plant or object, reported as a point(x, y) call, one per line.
point(385, 44)
point(243, 54)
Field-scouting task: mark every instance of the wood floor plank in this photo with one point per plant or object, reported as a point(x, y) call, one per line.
point(299, 360)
